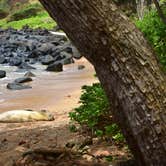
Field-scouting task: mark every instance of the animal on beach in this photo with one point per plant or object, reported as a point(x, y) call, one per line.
point(17, 116)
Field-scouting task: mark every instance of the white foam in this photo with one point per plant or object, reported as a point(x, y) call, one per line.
point(58, 33)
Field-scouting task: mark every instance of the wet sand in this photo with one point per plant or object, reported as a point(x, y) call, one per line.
point(52, 91)
point(57, 92)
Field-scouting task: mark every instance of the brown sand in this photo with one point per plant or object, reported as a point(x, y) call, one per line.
point(58, 93)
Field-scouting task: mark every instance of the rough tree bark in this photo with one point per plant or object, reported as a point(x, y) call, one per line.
point(140, 8)
point(160, 12)
point(127, 68)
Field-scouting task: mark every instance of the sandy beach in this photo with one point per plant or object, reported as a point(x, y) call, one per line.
point(57, 92)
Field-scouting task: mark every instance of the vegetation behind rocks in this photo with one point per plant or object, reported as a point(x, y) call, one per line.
point(22, 13)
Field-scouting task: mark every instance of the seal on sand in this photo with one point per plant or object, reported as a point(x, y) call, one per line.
point(17, 116)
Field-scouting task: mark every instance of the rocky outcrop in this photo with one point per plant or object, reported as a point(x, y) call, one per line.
point(29, 74)
point(25, 47)
point(26, 66)
point(23, 80)
point(17, 86)
point(2, 73)
point(56, 67)
point(48, 59)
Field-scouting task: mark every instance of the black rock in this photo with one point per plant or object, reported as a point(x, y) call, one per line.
point(32, 61)
point(80, 67)
point(2, 73)
point(46, 60)
point(46, 48)
point(24, 65)
point(66, 58)
point(67, 61)
point(15, 61)
point(29, 74)
point(59, 58)
point(23, 80)
point(58, 49)
point(17, 86)
point(34, 54)
point(76, 53)
point(65, 55)
point(56, 67)
point(2, 60)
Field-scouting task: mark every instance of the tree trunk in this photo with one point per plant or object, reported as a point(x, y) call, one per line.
point(140, 8)
point(160, 12)
point(127, 68)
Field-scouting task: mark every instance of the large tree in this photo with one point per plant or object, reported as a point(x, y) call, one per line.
point(127, 68)
point(159, 10)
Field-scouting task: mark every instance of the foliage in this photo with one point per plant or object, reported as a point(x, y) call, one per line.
point(26, 12)
point(41, 20)
point(31, 14)
point(155, 31)
point(4, 5)
point(3, 13)
point(94, 113)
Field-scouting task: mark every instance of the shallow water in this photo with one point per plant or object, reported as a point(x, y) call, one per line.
point(50, 90)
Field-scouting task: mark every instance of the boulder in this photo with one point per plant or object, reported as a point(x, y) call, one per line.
point(29, 74)
point(30, 45)
point(56, 67)
point(24, 65)
point(64, 54)
point(34, 54)
point(23, 80)
point(2, 60)
point(46, 48)
point(58, 49)
point(2, 73)
point(46, 60)
point(32, 61)
point(15, 61)
point(76, 53)
point(17, 86)
point(67, 61)
point(66, 58)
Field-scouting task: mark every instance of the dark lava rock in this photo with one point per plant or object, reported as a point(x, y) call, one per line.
point(17, 86)
point(67, 61)
point(46, 47)
point(34, 54)
point(23, 80)
point(15, 61)
point(56, 67)
point(80, 67)
point(27, 46)
point(29, 74)
point(65, 55)
point(76, 53)
point(2, 73)
point(32, 61)
point(48, 59)
point(58, 49)
point(24, 65)
point(66, 58)
point(2, 60)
